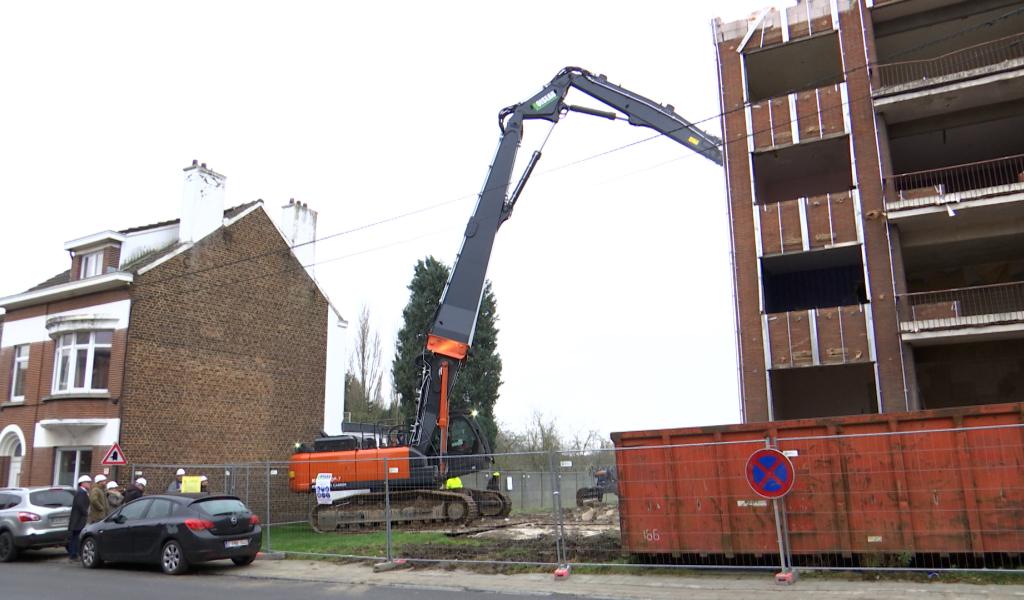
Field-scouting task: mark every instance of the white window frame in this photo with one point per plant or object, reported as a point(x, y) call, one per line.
point(90, 265)
point(20, 368)
point(78, 459)
point(72, 349)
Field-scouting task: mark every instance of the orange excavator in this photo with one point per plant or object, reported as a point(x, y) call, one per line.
point(360, 480)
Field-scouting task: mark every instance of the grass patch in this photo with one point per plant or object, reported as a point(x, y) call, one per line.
point(301, 538)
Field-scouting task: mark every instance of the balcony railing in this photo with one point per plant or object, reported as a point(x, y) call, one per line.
point(981, 55)
point(995, 304)
point(956, 183)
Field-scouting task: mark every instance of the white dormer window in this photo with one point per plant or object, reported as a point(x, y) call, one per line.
point(90, 264)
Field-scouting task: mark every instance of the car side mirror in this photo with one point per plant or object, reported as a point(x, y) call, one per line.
point(119, 519)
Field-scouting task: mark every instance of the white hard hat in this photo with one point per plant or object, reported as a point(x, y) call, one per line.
point(180, 472)
point(85, 479)
point(203, 478)
point(141, 481)
point(111, 485)
point(99, 478)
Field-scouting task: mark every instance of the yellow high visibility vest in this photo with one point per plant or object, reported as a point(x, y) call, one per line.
point(453, 483)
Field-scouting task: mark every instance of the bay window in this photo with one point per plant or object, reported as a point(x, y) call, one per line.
point(82, 362)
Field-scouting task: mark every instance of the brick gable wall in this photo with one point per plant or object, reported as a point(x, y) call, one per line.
point(224, 364)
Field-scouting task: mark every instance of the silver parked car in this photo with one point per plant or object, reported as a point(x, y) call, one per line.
point(33, 518)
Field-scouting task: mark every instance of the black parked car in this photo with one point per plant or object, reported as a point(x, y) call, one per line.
point(174, 531)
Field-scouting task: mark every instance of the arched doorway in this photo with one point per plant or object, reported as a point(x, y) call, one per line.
point(12, 447)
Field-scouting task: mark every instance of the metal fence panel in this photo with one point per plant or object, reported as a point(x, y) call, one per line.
point(935, 499)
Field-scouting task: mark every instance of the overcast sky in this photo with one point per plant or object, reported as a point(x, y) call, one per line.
point(613, 276)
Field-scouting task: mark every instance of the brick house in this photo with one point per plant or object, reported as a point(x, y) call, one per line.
point(198, 340)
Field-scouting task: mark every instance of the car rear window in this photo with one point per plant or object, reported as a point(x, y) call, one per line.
point(161, 509)
point(51, 498)
point(220, 506)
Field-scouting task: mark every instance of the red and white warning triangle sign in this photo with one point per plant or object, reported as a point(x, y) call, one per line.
point(114, 456)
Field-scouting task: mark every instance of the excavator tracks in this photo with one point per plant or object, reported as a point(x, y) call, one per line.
point(408, 507)
point(491, 503)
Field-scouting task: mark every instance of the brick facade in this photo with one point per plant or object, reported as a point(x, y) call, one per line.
point(223, 359)
point(784, 224)
point(224, 364)
point(876, 230)
point(37, 463)
point(753, 383)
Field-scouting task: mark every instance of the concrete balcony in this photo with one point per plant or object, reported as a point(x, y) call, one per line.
point(969, 185)
point(798, 117)
point(979, 313)
point(818, 337)
point(984, 74)
point(806, 224)
point(993, 56)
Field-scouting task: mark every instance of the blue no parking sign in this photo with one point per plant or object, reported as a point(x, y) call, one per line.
point(770, 473)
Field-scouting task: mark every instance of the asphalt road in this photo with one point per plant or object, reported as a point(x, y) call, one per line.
point(48, 576)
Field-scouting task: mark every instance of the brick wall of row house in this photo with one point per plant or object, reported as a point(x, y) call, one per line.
point(224, 364)
point(38, 463)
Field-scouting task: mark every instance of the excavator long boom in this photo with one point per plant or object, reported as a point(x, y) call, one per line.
point(451, 333)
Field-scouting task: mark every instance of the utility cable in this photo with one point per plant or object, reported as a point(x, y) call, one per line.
point(588, 158)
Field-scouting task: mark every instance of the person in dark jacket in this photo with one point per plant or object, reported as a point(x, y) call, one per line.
point(79, 514)
point(135, 490)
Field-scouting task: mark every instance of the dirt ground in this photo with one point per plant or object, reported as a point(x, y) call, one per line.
point(592, 521)
point(591, 535)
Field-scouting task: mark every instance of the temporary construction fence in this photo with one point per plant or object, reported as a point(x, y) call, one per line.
point(892, 497)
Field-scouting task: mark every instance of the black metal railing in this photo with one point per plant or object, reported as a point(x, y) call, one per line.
point(963, 307)
point(973, 57)
point(932, 183)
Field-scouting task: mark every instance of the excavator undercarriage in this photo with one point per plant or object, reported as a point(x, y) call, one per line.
point(409, 508)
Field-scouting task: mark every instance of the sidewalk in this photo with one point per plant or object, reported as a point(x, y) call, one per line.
point(654, 587)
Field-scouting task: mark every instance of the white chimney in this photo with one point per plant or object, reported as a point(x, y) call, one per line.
point(202, 203)
point(298, 222)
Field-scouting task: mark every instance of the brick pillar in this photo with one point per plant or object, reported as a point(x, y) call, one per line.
point(753, 383)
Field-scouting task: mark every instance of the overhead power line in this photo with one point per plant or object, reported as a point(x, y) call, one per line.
point(725, 141)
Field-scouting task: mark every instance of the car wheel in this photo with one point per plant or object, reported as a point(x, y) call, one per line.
point(172, 559)
point(241, 561)
point(8, 551)
point(89, 554)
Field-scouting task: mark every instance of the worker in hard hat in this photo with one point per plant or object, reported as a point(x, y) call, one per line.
point(494, 484)
point(453, 483)
point(79, 515)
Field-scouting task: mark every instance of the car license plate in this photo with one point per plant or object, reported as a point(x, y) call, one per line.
point(236, 543)
point(59, 522)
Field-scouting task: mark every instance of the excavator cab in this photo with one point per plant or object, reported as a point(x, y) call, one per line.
point(468, 449)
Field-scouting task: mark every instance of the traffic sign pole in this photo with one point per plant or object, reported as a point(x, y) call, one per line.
point(771, 475)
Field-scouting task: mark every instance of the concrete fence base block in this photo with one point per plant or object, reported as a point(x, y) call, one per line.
point(562, 572)
point(786, 578)
point(270, 556)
